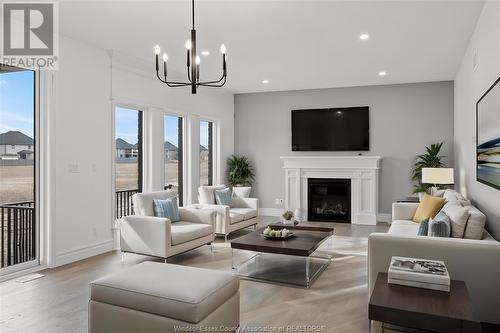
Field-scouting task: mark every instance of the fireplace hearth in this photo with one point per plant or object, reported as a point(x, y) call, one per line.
point(329, 200)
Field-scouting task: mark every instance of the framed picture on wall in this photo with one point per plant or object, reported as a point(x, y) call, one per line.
point(488, 137)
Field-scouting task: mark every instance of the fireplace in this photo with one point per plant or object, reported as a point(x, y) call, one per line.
point(329, 200)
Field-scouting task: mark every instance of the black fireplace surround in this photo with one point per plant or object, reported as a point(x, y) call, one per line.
point(329, 200)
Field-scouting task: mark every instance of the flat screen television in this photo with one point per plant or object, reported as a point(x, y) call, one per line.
point(332, 129)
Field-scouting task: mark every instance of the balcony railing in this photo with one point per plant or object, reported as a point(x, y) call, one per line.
point(18, 233)
point(123, 203)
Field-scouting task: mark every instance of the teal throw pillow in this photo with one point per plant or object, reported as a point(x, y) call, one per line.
point(223, 197)
point(423, 227)
point(167, 208)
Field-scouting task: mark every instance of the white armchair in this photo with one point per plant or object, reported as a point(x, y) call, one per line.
point(143, 233)
point(242, 213)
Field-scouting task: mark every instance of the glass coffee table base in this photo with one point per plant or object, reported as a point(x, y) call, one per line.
point(282, 269)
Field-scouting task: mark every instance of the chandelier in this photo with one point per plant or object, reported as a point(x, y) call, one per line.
point(193, 65)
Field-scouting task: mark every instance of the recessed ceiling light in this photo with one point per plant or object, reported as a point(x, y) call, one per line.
point(205, 53)
point(382, 73)
point(364, 36)
point(265, 81)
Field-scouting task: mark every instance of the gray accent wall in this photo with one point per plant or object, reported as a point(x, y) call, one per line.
point(404, 119)
point(479, 69)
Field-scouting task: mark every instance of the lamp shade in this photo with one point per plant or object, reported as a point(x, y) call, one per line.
point(443, 176)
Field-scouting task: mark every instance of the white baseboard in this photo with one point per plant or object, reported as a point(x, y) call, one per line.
point(270, 211)
point(382, 217)
point(70, 256)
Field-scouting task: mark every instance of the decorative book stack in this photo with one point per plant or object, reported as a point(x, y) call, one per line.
point(420, 273)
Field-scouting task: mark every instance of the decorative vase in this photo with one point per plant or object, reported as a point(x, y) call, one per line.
point(288, 222)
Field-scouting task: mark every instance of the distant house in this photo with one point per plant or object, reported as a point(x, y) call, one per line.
point(15, 145)
point(171, 151)
point(125, 149)
point(203, 153)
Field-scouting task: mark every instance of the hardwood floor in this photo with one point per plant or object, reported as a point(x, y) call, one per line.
point(337, 300)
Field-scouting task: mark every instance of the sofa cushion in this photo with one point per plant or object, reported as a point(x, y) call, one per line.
point(206, 194)
point(403, 228)
point(247, 213)
point(458, 218)
point(242, 191)
point(475, 223)
point(183, 231)
point(429, 206)
point(454, 196)
point(179, 292)
point(143, 202)
point(235, 217)
point(439, 226)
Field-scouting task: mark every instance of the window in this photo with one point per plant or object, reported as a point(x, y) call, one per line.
point(173, 149)
point(19, 229)
point(128, 158)
point(206, 152)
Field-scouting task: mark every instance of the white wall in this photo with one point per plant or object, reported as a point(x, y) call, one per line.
point(81, 138)
point(470, 84)
point(404, 119)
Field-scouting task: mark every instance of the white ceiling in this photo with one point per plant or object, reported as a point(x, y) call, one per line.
point(293, 44)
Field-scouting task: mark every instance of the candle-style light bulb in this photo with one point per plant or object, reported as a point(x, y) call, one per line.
point(157, 49)
point(165, 58)
point(188, 44)
point(223, 49)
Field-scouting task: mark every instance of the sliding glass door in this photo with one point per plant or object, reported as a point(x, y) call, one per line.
point(173, 151)
point(18, 177)
point(128, 158)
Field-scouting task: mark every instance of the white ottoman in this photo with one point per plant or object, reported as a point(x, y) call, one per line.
point(158, 297)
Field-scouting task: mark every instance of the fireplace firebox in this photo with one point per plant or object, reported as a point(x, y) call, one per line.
point(329, 200)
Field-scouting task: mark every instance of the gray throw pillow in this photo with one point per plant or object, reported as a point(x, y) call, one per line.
point(475, 224)
point(439, 226)
point(458, 218)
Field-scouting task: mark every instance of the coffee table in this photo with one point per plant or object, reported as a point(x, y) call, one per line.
point(293, 262)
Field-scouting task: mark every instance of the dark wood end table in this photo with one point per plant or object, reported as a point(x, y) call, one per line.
point(423, 309)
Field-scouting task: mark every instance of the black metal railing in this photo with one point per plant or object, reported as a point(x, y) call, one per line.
point(18, 233)
point(123, 203)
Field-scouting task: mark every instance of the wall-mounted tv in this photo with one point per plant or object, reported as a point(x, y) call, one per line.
point(331, 129)
point(488, 137)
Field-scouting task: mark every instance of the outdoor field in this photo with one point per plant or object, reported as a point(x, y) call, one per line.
point(126, 174)
point(16, 182)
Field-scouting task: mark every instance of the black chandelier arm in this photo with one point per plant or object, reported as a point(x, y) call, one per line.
point(172, 83)
point(223, 77)
point(205, 84)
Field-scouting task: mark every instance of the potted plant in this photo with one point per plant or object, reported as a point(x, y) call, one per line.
point(240, 175)
point(288, 217)
point(431, 159)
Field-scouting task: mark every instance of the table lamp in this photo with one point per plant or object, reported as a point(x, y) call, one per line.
point(437, 176)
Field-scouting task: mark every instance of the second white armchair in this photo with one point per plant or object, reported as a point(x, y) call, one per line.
point(241, 214)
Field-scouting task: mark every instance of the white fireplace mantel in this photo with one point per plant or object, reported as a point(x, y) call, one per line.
point(363, 171)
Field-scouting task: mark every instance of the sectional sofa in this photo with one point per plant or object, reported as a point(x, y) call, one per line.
point(475, 261)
